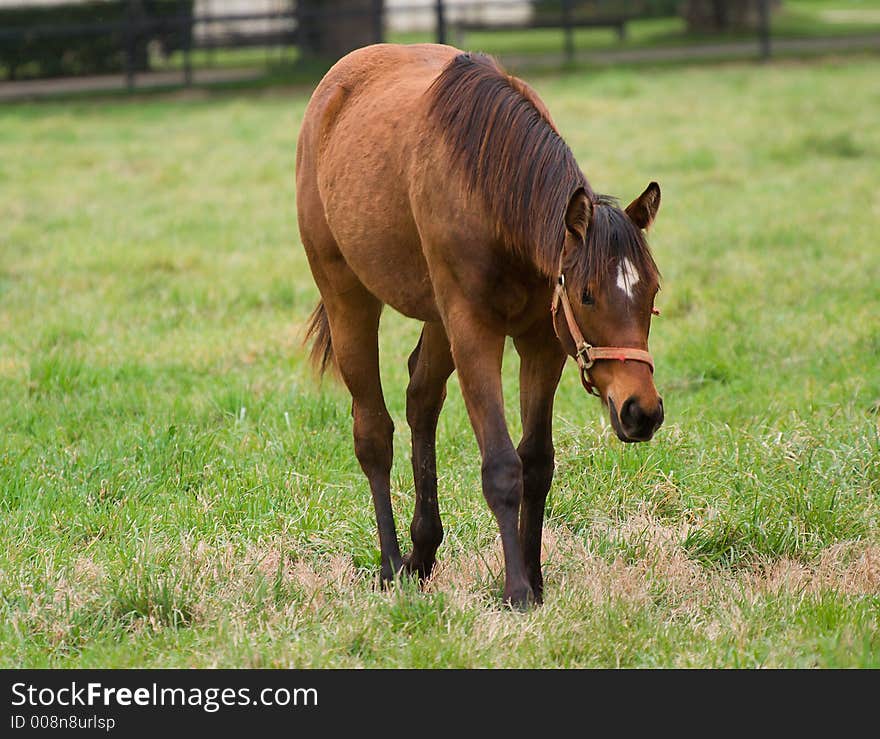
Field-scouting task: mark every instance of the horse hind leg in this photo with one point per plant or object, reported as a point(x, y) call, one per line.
point(430, 365)
point(354, 328)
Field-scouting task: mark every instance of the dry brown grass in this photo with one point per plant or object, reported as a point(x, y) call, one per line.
point(223, 584)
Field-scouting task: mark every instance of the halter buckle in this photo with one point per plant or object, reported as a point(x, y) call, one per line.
point(584, 356)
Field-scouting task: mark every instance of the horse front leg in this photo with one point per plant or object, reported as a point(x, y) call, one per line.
point(541, 362)
point(477, 351)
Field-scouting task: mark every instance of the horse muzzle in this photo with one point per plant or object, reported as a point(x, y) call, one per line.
point(634, 423)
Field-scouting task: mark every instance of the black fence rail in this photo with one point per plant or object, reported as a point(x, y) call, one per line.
point(124, 36)
point(121, 42)
point(566, 15)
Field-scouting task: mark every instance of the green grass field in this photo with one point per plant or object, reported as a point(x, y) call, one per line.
point(177, 490)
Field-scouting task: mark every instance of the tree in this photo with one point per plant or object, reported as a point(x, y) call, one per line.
point(332, 28)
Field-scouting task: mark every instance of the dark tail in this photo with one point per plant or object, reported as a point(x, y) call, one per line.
point(318, 332)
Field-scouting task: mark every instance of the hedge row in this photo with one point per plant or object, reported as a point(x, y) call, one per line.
point(89, 37)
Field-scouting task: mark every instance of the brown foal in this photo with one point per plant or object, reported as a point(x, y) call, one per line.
point(432, 181)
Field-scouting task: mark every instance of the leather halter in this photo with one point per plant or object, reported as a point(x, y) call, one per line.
point(585, 354)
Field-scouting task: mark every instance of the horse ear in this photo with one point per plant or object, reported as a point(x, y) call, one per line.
point(578, 214)
point(643, 209)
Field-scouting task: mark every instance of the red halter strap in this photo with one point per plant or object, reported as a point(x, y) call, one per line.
point(585, 354)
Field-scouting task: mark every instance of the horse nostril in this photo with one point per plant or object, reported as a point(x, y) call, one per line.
point(631, 415)
point(637, 423)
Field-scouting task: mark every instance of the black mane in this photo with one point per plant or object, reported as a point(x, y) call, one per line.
point(511, 153)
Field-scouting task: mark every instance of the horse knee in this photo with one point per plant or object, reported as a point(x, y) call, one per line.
point(374, 440)
point(503, 481)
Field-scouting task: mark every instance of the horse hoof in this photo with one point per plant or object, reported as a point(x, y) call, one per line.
point(538, 590)
point(520, 599)
point(389, 573)
point(414, 566)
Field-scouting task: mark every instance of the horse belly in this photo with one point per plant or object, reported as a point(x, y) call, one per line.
point(392, 269)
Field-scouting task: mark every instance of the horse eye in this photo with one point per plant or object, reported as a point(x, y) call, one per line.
point(587, 298)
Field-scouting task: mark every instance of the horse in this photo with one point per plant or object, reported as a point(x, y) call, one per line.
point(432, 181)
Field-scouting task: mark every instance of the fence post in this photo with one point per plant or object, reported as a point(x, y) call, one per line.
point(185, 25)
point(625, 16)
point(441, 21)
point(568, 31)
point(129, 43)
point(764, 29)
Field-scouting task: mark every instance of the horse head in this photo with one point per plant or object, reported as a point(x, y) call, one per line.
point(606, 287)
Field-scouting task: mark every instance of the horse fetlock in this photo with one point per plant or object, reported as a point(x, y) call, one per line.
point(426, 534)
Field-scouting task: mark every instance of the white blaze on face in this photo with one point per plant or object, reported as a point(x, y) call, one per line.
point(627, 276)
